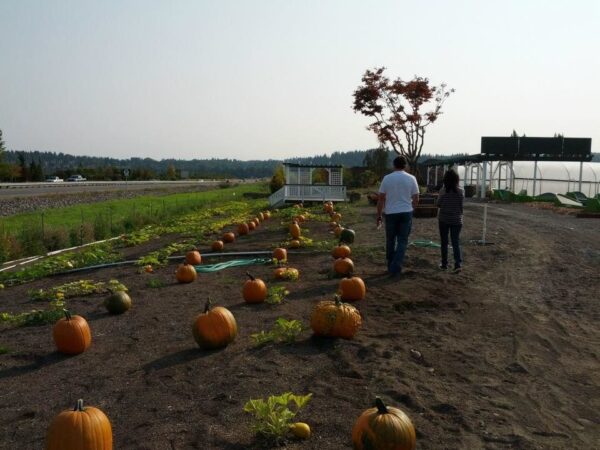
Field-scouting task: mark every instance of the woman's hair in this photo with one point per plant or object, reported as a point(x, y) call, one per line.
point(451, 181)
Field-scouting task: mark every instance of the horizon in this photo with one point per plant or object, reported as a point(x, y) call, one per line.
point(233, 80)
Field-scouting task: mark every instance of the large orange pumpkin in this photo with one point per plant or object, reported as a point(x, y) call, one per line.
point(267, 215)
point(261, 216)
point(186, 273)
point(383, 428)
point(352, 289)
point(243, 229)
point(328, 207)
point(295, 230)
point(228, 237)
point(218, 246)
point(256, 221)
point(251, 226)
point(295, 243)
point(343, 266)
point(193, 257)
point(214, 328)
point(341, 251)
point(332, 318)
point(336, 217)
point(80, 429)
point(72, 334)
point(254, 290)
point(300, 218)
point(280, 254)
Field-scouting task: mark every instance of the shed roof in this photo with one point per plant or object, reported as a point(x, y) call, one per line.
point(314, 166)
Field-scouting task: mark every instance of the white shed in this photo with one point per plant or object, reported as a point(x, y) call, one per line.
point(305, 182)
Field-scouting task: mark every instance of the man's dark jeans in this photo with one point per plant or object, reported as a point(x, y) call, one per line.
point(397, 229)
point(455, 238)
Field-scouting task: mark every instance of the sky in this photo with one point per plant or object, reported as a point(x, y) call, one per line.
point(259, 79)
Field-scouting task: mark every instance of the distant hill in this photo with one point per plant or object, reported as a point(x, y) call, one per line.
point(98, 168)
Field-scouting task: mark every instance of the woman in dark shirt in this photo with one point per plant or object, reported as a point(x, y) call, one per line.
point(450, 218)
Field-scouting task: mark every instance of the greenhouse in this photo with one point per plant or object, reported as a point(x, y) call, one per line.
point(528, 166)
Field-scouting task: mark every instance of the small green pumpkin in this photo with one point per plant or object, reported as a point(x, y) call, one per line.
point(118, 302)
point(347, 236)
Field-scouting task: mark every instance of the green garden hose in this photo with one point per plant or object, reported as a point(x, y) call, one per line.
point(425, 244)
point(209, 268)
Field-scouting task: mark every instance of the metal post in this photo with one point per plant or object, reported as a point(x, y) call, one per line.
point(512, 178)
point(483, 180)
point(485, 207)
point(436, 174)
point(534, 177)
point(428, 167)
point(580, 174)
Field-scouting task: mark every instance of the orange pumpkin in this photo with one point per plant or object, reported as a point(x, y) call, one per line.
point(254, 290)
point(186, 273)
point(214, 328)
point(72, 334)
point(328, 207)
point(251, 226)
point(300, 218)
point(193, 257)
point(383, 428)
point(332, 225)
point(261, 216)
point(217, 246)
point(295, 230)
point(295, 243)
point(280, 254)
point(352, 289)
point(81, 429)
point(343, 266)
point(338, 231)
point(341, 251)
point(228, 237)
point(332, 318)
point(148, 268)
point(267, 215)
point(336, 217)
point(243, 229)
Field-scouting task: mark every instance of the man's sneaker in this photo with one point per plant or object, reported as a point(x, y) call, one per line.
point(443, 267)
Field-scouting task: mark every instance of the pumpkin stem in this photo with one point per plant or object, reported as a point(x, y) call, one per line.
point(67, 314)
point(207, 306)
point(381, 408)
point(250, 276)
point(338, 299)
point(79, 405)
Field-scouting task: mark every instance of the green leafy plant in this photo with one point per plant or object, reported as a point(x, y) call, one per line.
point(4, 350)
point(284, 331)
point(37, 317)
point(273, 416)
point(77, 289)
point(155, 283)
point(276, 294)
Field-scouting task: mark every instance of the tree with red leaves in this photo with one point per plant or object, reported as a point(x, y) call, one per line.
point(396, 106)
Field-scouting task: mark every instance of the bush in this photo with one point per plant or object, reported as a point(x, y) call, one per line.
point(278, 179)
point(354, 196)
point(56, 239)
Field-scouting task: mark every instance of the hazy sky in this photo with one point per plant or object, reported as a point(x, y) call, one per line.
point(274, 78)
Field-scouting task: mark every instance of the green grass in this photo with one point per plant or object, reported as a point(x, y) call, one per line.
point(120, 210)
point(36, 233)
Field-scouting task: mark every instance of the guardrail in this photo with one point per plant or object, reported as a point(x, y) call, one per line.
point(67, 184)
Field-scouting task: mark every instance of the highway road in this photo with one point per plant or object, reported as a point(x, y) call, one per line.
point(11, 190)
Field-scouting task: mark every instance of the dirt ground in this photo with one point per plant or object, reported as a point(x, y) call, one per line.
point(509, 349)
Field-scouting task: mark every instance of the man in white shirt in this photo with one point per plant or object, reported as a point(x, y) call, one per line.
point(398, 196)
